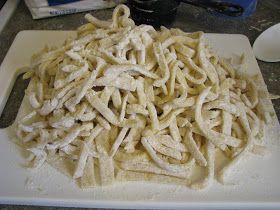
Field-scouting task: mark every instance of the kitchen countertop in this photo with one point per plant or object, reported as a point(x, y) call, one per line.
point(189, 18)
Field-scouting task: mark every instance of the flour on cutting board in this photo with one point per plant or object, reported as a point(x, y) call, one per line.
point(256, 178)
point(38, 180)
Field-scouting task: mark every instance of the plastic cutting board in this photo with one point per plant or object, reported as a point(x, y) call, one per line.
point(258, 178)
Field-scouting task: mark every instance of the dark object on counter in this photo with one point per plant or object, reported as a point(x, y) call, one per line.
point(163, 12)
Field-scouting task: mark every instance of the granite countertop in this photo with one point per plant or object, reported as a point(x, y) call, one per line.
point(189, 18)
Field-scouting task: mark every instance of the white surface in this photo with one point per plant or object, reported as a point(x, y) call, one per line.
point(6, 12)
point(259, 186)
point(267, 45)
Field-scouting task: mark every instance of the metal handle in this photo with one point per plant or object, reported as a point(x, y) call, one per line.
point(225, 8)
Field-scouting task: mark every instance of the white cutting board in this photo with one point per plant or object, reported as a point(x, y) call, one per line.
point(258, 177)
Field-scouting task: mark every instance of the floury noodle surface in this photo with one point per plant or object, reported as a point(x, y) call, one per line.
point(125, 102)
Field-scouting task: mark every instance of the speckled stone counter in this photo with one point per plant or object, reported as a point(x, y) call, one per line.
point(189, 18)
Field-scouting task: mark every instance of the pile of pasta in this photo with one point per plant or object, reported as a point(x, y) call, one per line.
point(128, 103)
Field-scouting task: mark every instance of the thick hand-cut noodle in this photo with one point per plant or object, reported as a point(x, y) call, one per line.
point(143, 104)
